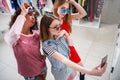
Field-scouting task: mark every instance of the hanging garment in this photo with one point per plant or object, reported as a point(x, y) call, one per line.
point(39, 6)
point(42, 2)
point(99, 9)
point(48, 7)
point(6, 6)
point(91, 10)
point(96, 6)
point(14, 4)
point(30, 2)
point(74, 10)
point(1, 5)
point(19, 2)
point(86, 7)
point(82, 2)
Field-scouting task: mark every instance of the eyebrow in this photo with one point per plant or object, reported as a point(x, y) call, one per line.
point(65, 8)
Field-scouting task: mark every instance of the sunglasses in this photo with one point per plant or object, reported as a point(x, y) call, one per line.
point(56, 27)
point(63, 11)
point(30, 11)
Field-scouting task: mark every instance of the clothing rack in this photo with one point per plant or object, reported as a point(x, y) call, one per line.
point(93, 9)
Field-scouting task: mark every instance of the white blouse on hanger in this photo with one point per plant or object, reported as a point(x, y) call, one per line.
point(48, 6)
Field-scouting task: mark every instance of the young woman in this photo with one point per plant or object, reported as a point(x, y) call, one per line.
point(62, 10)
point(23, 36)
point(57, 50)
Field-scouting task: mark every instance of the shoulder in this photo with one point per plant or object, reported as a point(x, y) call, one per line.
point(49, 47)
point(49, 42)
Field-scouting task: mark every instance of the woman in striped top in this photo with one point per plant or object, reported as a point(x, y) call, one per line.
point(57, 49)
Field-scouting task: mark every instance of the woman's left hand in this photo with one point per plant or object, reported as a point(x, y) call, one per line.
point(24, 8)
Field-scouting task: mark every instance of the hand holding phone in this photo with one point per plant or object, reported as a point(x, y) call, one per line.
point(104, 61)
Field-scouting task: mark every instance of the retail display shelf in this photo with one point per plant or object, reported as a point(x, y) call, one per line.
point(94, 24)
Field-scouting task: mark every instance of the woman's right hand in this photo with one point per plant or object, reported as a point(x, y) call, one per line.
point(24, 8)
point(62, 33)
point(98, 71)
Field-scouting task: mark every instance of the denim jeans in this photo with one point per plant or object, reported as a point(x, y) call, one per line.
point(32, 78)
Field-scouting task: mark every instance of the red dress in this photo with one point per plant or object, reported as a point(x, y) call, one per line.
point(73, 53)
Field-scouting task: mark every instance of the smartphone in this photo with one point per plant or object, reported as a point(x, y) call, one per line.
point(104, 60)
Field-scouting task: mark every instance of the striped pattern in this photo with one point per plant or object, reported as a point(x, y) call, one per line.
point(48, 50)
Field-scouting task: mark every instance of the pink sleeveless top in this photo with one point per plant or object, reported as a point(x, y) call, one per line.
point(28, 55)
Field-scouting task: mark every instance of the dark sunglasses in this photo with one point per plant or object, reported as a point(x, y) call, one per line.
point(56, 27)
point(63, 11)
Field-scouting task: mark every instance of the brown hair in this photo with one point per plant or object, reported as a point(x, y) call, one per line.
point(46, 21)
point(17, 13)
point(67, 16)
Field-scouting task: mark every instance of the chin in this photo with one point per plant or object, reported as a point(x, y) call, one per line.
point(33, 23)
point(62, 16)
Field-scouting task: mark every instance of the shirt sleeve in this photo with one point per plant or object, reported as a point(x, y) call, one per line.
point(49, 50)
point(14, 33)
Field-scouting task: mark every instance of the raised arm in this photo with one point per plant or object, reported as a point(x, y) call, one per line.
point(14, 33)
point(81, 12)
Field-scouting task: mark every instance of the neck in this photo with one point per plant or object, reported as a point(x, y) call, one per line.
point(53, 36)
point(61, 18)
point(26, 30)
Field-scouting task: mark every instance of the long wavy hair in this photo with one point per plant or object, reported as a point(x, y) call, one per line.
point(67, 16)
point(17, 13)
point(46, 21)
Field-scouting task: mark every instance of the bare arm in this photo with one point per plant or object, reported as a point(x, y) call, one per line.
point(95, 71)
point(81, 12)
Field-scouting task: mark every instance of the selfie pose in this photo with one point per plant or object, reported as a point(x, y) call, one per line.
point(23, 37)
point(57, 50)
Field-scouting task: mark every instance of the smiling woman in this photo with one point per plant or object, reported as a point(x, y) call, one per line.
point(23, 37)
point(62, 10)
point(57, 27)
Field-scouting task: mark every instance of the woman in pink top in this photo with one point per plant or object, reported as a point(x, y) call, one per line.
point(23, 36)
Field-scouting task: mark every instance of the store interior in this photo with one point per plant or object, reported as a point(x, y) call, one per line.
point(92, 39)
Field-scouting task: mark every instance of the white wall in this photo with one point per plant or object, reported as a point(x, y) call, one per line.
point(111, 11)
